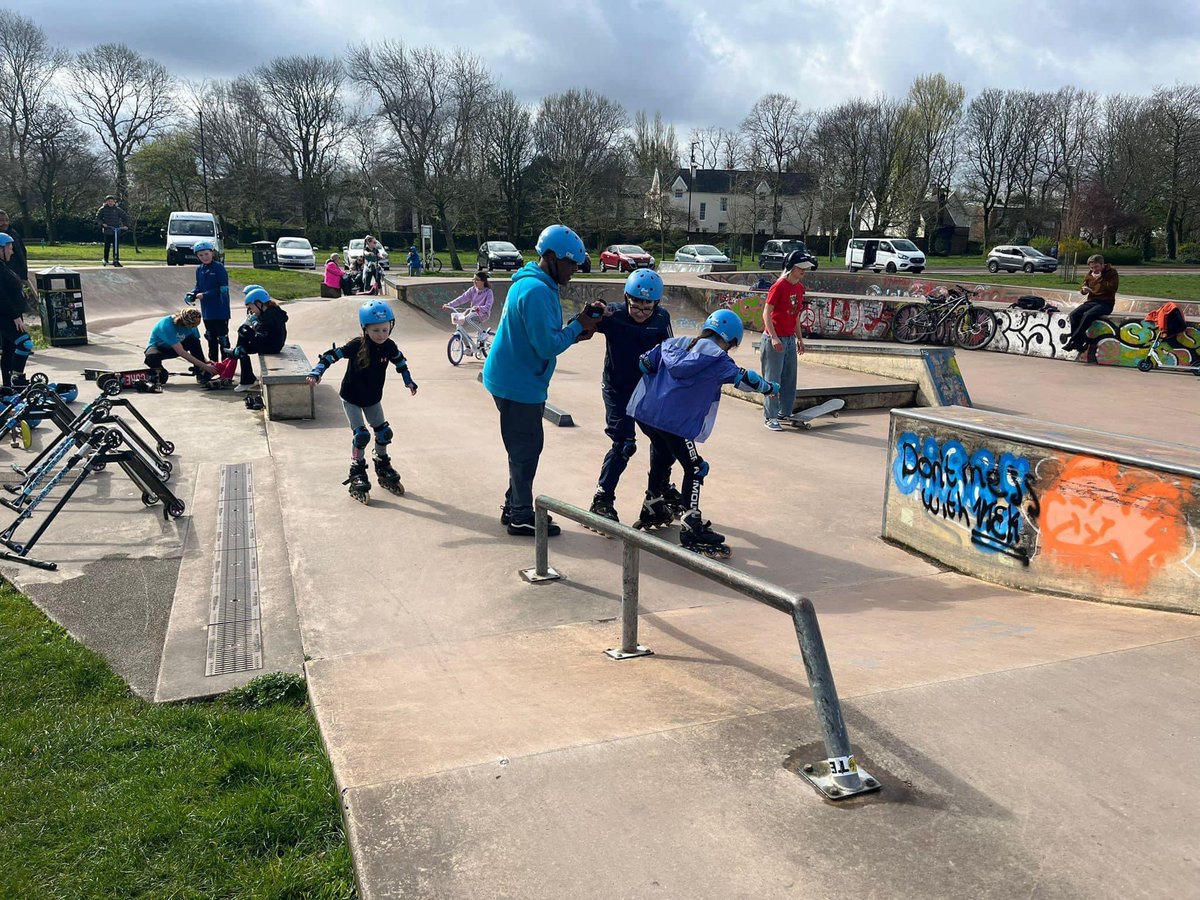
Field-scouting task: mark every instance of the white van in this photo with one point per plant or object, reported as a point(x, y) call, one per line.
point(884, 254)
point(184, 229)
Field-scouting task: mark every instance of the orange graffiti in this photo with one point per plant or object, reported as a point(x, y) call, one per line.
point(1120, 524)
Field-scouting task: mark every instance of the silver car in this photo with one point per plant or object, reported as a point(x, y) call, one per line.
point(700, 253)
point(1014, 257)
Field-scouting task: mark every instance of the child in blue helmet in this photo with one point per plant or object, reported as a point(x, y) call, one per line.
point(675, 404)
point(367, 357)
point(264, 331)
point(414, 262)
point(212, 293)
point(631, 329)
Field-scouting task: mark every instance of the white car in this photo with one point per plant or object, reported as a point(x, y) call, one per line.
point(354, 249)
point(700, 253)
point(295, 252)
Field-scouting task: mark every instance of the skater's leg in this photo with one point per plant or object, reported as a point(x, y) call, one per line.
point(620, 430)
point(785, 403)
point(388, 477)
point(8, 347)
point(358, 482)
point(217, 333)
point(521, 431)
point(108, 243)
point(772, 368)
point(694, 469)
point(661, 458)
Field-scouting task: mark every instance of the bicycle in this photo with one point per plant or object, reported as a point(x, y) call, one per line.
point(431, 263)
point(461, 342)
point(973, 326)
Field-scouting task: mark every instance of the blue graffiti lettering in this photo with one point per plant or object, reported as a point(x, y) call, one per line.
point(989, 495)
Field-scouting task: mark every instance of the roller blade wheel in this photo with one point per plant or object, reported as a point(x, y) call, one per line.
point(359, 484)
point(388, 477)
point(712, 552)
point(603, 506)
point(654, 514)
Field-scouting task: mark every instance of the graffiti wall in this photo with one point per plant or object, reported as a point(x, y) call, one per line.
point(1107, 524)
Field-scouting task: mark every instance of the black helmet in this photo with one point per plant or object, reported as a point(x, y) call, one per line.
point(797, 258)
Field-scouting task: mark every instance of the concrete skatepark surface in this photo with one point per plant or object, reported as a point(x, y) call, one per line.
point(486, 747)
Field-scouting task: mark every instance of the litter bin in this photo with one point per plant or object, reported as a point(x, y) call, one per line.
point(263, 253)
point(60, 303)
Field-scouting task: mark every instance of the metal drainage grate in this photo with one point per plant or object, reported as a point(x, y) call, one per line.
point(235, 618)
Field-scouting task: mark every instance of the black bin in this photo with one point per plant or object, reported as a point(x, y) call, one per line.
point(60, 303)
point(263, 253)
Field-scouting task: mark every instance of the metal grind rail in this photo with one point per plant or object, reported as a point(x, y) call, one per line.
point(838, 775)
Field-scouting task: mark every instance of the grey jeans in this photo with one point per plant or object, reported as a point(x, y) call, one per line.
point(361, 417)
point(779, 366)
point(523, 435)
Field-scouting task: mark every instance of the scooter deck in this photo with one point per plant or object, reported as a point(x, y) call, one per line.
point(805, 418)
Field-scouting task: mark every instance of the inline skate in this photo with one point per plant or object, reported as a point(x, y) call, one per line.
point(602, 505)
point(697, 535)
point(675, 502)
point(360, 485)
point(389, 478)
point(655, 514)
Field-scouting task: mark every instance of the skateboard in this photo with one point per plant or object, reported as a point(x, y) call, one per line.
point(111, 382)
point(804, 419)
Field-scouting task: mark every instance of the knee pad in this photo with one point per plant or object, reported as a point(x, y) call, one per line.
point(362, 437)
point(23, 344)
point(383, 433)
point(625, 448)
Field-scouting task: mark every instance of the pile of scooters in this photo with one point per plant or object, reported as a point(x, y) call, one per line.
point(87, 442)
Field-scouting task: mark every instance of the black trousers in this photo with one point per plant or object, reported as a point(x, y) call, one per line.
point(214, 330)
point(523, 435)
point(666, 448)
point(11, 362)
point(156, 355)
point(1082, 318)
point(113, 245)
point(251, 343)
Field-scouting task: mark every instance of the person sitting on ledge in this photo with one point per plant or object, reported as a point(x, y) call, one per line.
point(1100, 288)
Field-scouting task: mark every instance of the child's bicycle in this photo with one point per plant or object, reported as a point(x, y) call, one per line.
point(461, 342)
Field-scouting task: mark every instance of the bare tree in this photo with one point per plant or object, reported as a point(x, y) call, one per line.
point(300, 100)
point(989, 135)
point(1175, 138)
point(653, 146)
point(718, 148)
point(245, 177)
point(509, 151)
point(434, 102)
point(1072, 115)
point(932, 113)
point(27, 66)
point(125, 98)
point(578, 138)
point(65, 171)
point(778, 128)
point(1112, 194)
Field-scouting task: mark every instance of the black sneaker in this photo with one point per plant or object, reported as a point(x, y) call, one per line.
point(118, 265)
point(505, 514)
point(526, 528)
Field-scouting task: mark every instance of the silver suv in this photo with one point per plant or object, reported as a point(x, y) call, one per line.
point(1013, 257)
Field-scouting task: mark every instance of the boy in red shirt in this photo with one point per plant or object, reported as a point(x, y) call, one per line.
point(781, 341)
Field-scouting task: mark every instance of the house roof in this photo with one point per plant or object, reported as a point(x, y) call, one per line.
point(732, 181)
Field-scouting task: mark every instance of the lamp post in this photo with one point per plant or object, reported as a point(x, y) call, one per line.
point(691, 186)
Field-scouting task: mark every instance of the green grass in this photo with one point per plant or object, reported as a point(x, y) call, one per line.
point(280, 285)
point(108, 796)
point(1168, 287)
point(95, 253)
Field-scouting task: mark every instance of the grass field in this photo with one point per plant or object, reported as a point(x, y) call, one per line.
point(280, 285)
point(108, 796)
point(1168, 287)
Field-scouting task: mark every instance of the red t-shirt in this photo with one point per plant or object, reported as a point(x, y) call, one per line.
point(785, 299)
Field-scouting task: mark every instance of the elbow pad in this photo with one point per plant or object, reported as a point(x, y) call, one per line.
point(326, 359)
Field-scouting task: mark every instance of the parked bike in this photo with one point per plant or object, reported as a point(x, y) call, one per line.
point(949, 308)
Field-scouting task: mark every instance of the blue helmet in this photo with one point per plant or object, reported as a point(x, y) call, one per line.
point(565, 243)
point(204, 245)
point(727, 324)
point(373, 312)
point(252, 287)
point(5, 239)
point(644, 284)
point(258, 295)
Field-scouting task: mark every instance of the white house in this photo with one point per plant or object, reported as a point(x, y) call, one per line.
point(732, 200)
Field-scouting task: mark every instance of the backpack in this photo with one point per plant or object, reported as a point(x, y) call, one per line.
point(1168, 319)
point(1029, 302)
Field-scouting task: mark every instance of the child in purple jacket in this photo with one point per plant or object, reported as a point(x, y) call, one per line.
point(676, 406)
point(477, 301)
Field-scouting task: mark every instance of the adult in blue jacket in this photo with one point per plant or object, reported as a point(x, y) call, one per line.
point(212, 292)
point(522, 358)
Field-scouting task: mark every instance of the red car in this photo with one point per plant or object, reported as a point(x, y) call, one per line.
point(625, 258)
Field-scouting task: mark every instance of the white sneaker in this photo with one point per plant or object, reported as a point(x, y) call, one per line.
point(242, 388)
point(773, 424)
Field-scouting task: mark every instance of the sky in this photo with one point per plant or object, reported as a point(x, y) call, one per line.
point(699, 62)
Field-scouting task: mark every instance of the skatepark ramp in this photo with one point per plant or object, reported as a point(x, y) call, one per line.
point(1046, 507)
point(838, 775)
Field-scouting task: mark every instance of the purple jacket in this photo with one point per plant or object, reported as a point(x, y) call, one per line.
point(681, 392)
point(472, 296)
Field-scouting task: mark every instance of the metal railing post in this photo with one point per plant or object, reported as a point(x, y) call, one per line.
point(541, 570)
point(629, 607)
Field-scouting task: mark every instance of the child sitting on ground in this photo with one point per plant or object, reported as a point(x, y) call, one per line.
point(675, 404)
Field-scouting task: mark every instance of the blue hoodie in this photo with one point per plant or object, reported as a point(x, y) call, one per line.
point(681, 392)
point(213, 281)
point(528, 339)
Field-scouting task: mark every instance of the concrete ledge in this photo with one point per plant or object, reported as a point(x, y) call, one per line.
point(1046, 507)
point(557, 416)
point(934, 369)
point(286, 391)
